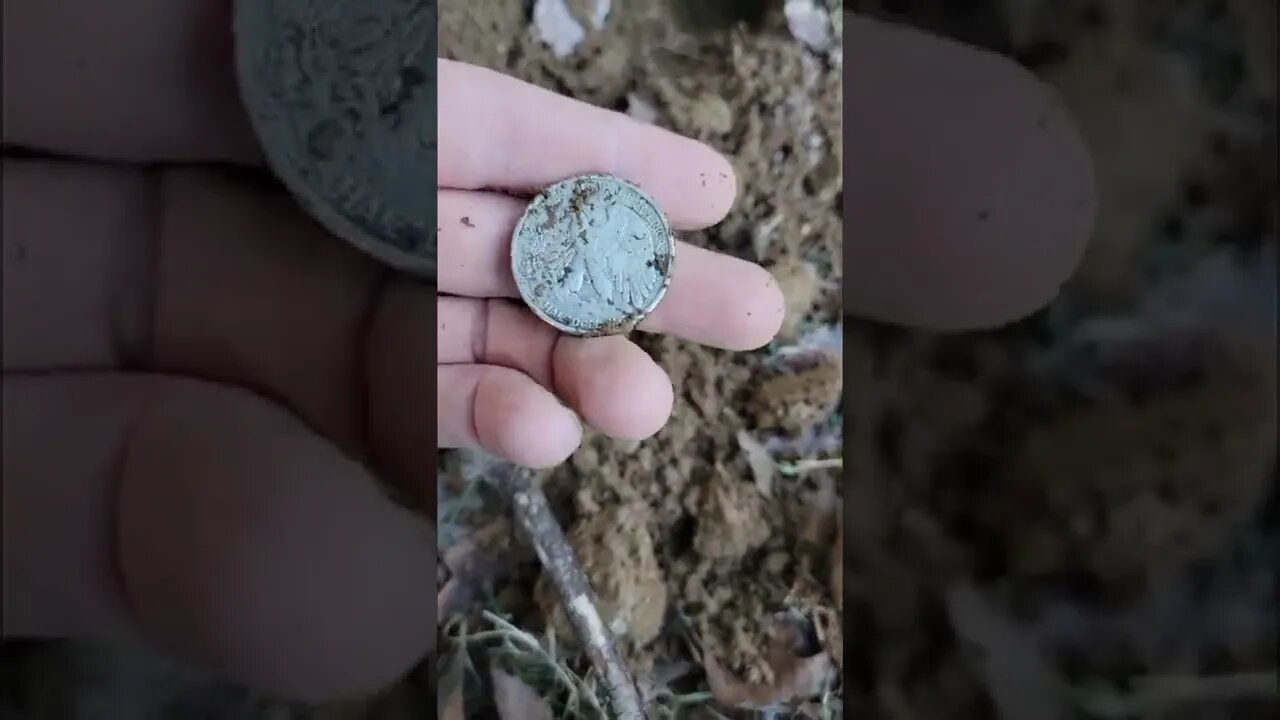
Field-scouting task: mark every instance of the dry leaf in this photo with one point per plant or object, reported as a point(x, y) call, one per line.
point(1257, 22)
point(828, 627)
point(478, 560)
point(837, 564)
point(821, 511)
point(1021, 682)
point(795, 678)
point(449, 690)
point(641, 109)
point(801, 287)
point(557, 25)
point(762, 465)
point(514, 699)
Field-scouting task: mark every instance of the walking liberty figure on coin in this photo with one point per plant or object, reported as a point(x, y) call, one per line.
point(592, 255)
point(607, 256)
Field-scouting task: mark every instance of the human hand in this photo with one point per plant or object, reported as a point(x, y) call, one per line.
point(510, 383)
point(961, 215)
point(200, 385)
point(202, 389)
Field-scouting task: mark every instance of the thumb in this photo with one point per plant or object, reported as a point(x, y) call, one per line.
point(211, 523)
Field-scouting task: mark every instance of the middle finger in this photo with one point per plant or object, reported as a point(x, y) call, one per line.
point(610, 382)
point(714, 299)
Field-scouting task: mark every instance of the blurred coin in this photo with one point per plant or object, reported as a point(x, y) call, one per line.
point(342, 98)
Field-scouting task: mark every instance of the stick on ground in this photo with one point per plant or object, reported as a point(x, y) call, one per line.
point(533, 514)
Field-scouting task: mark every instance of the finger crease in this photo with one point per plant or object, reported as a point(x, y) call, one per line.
point(471, 403)
point(132, 306)
point(480, 335)
point(160, 219)
point(116, 492)
point(551, 365)
point(364, 350)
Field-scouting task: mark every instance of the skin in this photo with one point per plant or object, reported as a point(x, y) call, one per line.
point(501, 370)
point(195, 430)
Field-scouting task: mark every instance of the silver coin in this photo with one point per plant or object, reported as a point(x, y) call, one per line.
point(593, 255)
point(342, 98)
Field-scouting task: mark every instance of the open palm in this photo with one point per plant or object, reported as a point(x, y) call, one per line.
point(510, 383)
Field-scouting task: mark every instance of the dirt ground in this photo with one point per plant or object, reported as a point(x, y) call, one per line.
point(1070, 517)
point(682, 538)
point(1073, 517)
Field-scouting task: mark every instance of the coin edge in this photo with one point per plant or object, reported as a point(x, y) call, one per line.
point(311, 201)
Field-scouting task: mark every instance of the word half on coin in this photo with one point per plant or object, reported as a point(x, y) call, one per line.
point(593, 255)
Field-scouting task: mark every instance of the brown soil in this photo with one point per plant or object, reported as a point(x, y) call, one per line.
point(1093, 489)
point(726, 551)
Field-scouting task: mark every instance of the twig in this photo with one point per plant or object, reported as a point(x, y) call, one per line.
point(1159, 691)
point(1176, 688)
point(533, 514)
point(801, 467)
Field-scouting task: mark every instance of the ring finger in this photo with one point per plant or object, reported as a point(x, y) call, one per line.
point(610, 382)
point(714, 299)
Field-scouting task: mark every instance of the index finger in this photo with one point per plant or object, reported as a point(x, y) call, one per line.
point(138, 81)
point(501, 133)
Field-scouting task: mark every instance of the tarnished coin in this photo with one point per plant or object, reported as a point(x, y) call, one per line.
point(592, 255)
point(342, 98)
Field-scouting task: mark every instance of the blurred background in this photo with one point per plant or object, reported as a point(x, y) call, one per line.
point(1070, 517)
point(1075, 516)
